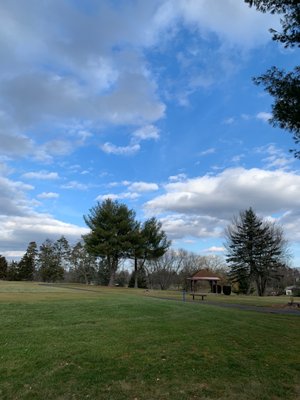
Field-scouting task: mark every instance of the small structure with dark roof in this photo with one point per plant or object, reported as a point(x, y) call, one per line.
point(205, 275)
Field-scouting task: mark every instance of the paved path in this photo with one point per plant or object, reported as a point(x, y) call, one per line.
point(269, 310)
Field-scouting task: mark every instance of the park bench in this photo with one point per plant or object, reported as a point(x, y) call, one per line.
point(294, 304)
point(202, 295)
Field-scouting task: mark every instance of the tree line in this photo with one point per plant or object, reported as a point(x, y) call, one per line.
point(58, 261)
point(256, 258)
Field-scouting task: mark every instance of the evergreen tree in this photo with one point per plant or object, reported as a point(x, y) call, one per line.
point(62, 252)
point(112, 228)
point(13, 271)
point(103, 273)
point(283, 86)
point(255, 250)
point(3, 267)
point(122, 278)
point(139, 277)
point(83, 264)
point(26, 267)
point(50, 268)
point(150, 243)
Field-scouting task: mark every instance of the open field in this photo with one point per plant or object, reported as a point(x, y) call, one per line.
point(266, 301)
point(69, 343)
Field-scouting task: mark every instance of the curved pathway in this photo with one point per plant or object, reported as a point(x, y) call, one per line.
point(269, 310)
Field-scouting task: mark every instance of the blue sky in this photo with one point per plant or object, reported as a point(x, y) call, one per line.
point(147, 102)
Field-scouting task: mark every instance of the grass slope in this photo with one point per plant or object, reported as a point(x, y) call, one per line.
point(61, 343)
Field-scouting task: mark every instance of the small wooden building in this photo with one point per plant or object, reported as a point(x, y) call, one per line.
point(205, 275)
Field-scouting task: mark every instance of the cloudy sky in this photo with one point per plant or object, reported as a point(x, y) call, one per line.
point(149, 102)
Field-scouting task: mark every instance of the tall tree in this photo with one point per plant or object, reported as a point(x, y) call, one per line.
point(13, 271)
point(283, 86)
point(62, 252)
point(50, 267)
point(3, 267)
point(150, 243)
point(163, 271)
point(83, 264)
point(255, 250)
point(26, 267)
point(112, 228)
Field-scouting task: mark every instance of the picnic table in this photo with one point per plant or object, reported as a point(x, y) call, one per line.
point(202, 295)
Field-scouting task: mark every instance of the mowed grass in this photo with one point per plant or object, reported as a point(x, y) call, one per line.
point(65, 343)
point(266, 301)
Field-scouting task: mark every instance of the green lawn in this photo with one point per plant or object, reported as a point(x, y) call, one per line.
point(62, 343)
point(266, 301)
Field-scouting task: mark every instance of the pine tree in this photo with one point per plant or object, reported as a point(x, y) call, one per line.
point(139, 277)
point(26, 267)
point(83, 264)
point(149, 243)
point(112, 228)
point(3, 267)
point(13, 271)
point(50, 268)
point(255, 250)
point(283, 86)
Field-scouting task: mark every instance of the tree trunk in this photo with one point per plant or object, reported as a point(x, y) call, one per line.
point(135, 273)
point(113, 269)
point(112, 278)
point(261, 285)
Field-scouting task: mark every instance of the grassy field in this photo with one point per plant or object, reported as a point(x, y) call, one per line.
point(266, 301)
point(62, 342)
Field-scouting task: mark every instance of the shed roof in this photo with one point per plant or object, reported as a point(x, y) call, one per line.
point(204, 275)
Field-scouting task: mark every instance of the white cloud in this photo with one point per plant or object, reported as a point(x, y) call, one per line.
point(83, 135)
point(48, 195)
point(20, 224)
point(143, 187)
point(98, 82)
point(229, 121)
point(276, 158)
point(133, 190)
point(218, 17)
point(147, 132)
point(237, 158)
point(178, 178)
point(120, 196)
point(215, 249)
point(246, 117)
point(16, 232)
point(95, 82)
point(5, 169)
point(207, 152)
point(58, 147)
point(41, 175)
point(264, 116)
point(217, 198)
point(15, 145)
point(75, 185)
point(110, 148)
point(290, 221)
point(179, 225)
point(13, 254)
point(13, 200)
point(230, 191)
